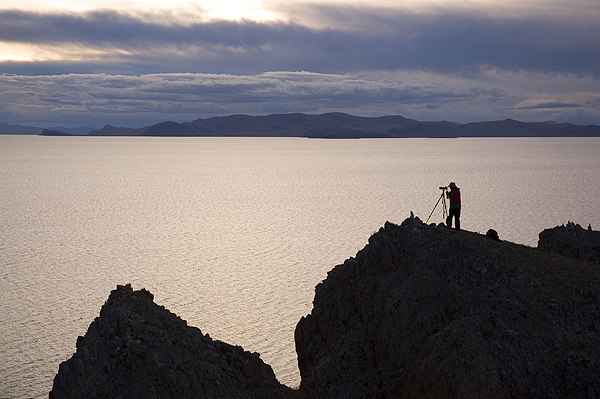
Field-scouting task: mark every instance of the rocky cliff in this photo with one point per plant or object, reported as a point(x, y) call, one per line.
point(429, 312)
point(572, 241)
point(422, 311)
point(138, 349)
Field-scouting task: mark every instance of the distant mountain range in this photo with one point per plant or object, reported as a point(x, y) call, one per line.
point(329, 125)
point(343, 126)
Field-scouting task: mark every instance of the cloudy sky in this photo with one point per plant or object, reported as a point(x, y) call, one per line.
point(135, 63)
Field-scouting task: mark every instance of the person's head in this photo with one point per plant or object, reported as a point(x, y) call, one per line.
point(452, 185)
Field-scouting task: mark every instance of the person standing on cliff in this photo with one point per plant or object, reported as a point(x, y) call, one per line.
point(454, 196)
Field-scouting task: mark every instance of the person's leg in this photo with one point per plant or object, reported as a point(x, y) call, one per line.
point(449, 219)
point(457, 219)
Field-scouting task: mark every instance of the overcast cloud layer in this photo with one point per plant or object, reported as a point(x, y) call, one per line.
point(139, 68)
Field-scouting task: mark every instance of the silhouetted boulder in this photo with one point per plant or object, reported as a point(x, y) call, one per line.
point(424, 311)
point(492, 234)
point(138, 349)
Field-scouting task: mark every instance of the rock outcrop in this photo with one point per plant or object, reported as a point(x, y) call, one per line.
point(138, 349)
point(572, 241)
point(422, 311)
point(425, 311)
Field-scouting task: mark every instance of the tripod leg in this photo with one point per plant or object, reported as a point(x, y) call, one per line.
point(446, 216)
point(436, 204)
point(445, 213)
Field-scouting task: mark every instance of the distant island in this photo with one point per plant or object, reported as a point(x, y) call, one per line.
point(333, 125)
point(6, 129)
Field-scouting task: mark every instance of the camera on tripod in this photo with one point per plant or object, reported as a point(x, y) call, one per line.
point(444, 206)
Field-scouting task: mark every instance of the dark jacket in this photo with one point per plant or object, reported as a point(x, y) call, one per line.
point(454, 196)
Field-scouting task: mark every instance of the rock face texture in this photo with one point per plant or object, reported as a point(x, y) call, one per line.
point(422, 311)
point(138, 349)
point(572, 241)
point(429, 312)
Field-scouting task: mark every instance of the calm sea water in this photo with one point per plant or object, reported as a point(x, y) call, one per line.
point(233, 234)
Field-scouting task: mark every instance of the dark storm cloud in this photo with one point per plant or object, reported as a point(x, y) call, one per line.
point(439, 42)
point(60, 101)
point(102, 98)
point(551, 105)
point(137, 69)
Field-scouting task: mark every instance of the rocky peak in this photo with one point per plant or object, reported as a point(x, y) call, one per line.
point(138, 349)
point(424, 311)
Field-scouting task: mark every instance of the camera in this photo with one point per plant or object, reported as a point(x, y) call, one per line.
point(444, 188)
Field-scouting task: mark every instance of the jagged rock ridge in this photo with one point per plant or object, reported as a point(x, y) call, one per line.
point(138, 349)
point(429, 312)
point(572, 241)
point(422, 311)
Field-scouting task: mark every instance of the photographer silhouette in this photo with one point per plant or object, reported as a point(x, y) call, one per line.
point(454, 197)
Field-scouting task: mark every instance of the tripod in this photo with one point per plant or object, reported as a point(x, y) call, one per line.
point(444, 207)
